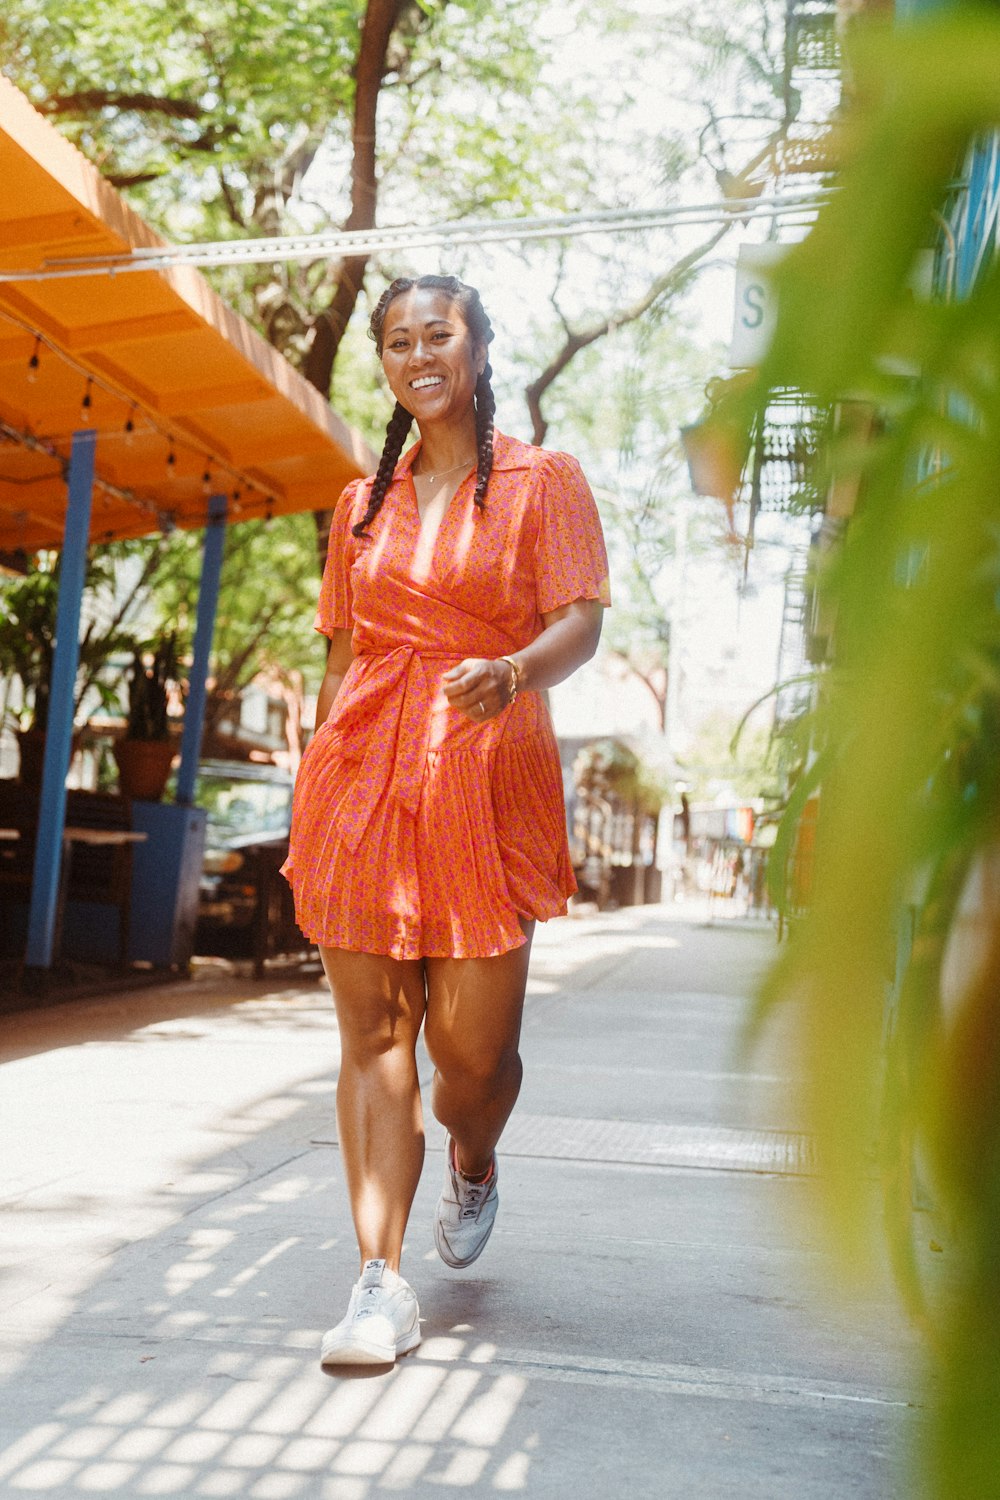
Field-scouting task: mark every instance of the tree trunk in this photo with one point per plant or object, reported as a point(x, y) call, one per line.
point(380, 20)
point(330, 326)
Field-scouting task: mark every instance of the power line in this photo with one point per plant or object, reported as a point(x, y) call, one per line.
point(337, 243)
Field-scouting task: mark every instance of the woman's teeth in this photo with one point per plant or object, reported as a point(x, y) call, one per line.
point(428, 380)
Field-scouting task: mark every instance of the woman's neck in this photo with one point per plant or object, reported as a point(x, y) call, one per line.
point(443, 448)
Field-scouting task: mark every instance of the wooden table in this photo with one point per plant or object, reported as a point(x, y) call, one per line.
point(73, 834)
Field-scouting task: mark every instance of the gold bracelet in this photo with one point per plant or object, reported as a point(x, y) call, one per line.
point(515, 678)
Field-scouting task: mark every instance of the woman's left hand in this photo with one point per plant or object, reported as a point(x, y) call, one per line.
point(478, 688)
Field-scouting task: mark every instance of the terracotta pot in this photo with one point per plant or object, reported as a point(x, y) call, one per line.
point(143, 768)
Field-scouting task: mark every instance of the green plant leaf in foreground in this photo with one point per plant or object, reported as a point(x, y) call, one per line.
point(902, 1068)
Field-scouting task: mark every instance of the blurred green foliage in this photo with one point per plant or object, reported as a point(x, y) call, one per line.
point(28, 613)
point(895, 970)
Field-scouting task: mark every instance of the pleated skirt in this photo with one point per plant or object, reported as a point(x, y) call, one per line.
point(485, 845)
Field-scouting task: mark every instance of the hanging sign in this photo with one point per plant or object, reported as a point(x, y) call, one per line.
point(755, 311)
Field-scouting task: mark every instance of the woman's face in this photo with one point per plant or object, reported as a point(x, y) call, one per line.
point(429, 357)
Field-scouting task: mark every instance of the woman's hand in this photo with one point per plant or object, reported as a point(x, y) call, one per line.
point(479, 688)
point(482, 689)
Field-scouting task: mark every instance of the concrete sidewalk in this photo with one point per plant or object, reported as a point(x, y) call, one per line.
point(647, 1320)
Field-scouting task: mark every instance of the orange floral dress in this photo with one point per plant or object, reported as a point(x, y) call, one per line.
point(417, 833)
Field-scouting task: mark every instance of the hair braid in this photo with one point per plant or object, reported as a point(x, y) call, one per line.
point(485, 407)
point(395, 436)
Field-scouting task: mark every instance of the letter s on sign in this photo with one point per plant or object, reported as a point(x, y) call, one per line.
point(753, 302)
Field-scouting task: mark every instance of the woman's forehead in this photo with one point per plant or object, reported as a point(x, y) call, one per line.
point(420, 307)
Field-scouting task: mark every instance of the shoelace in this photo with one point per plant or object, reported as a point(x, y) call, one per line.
point(368, 1302)
point(473, 1194)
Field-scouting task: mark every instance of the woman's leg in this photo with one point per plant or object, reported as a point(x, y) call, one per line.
point(380, 1005)
point(472, 1030)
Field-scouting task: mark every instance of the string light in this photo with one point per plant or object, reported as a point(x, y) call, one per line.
point(252, 499)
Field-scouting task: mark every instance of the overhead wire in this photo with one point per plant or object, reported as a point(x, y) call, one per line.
point(334, 243)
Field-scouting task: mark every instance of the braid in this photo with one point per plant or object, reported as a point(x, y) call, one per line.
point(395, 436)
point(485, 407)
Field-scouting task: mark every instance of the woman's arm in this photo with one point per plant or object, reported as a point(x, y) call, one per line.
point(569, 639)
point(337, 663)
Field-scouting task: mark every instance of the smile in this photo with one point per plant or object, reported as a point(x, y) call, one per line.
point(425, 382)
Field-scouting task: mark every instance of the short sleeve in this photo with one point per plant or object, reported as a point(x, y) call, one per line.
point(336, 606)
point(571, 561)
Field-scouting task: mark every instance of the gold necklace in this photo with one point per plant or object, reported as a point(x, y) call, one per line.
point(444, 472)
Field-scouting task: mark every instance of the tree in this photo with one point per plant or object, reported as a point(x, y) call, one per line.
point(249, 117)
point(260, 629)
point(621, 410)
point(28, 610)
point(712, 764)
point(219, 116)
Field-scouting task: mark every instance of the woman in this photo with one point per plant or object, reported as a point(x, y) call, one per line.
point(429, 828)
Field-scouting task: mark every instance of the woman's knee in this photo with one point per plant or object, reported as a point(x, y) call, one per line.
point(368, 1033)
point(378, 1011)
point(481, 1067)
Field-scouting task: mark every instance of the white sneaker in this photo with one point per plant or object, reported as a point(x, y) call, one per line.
point(381, 1322)
point(465, 1213)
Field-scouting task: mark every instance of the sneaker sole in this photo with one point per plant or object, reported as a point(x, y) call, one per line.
point(357, 1352)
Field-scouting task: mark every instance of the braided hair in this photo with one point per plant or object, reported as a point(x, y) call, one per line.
point(481, 331)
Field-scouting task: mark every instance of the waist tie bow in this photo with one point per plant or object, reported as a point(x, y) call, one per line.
point(384, 726)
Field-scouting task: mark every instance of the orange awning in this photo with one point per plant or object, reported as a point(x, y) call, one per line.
point(154, 361)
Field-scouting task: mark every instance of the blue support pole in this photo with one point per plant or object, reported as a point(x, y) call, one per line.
point(208, 599)
point(59, 736)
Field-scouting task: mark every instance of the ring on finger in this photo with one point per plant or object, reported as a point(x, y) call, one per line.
point(482, 710)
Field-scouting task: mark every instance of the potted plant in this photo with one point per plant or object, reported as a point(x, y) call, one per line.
point(28, 608)
point(145, 754)
point(27, 643)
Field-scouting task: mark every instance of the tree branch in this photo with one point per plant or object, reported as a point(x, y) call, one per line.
point(659, 694)
point(132, 179)
point(93, 99)
point(672, 280)
point(229, 198)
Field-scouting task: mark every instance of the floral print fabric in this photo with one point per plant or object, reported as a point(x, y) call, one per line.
point(416, 832)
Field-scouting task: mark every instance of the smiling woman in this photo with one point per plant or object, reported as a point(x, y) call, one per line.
point(429, 832)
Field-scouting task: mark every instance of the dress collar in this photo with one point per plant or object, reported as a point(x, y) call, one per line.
point(508, 453)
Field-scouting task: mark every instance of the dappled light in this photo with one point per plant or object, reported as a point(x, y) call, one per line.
point(250, 1411)
point(176, 1256)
